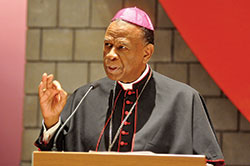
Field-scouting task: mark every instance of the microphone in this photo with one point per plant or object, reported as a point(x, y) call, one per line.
point(71, 115)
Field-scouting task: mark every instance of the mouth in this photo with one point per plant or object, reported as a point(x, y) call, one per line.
point(112, 69)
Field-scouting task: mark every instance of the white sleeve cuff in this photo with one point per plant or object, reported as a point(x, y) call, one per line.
point(48, 134)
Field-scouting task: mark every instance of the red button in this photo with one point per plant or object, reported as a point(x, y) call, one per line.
point(125, 133)
point(123, 143)
point(130, 92)
point(128, 102)
point(126, 123)
point(126, 112)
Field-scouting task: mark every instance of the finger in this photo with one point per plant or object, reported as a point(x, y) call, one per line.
point(41, 89)
point(63, 98)
point(42, 85)
point(63, 94)
point(58, 97)
point(57, 85)
point(53, 91)
point(49, 81)
point(44, 79)
point(49, 96)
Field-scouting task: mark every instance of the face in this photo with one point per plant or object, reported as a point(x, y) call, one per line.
point(124, 52)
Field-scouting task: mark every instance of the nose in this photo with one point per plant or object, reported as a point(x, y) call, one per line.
point(111, 55)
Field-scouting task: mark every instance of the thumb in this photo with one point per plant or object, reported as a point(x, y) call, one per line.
point(63, 95)
point(57, 85)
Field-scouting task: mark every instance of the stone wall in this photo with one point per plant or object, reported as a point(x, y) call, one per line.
point(65, 37)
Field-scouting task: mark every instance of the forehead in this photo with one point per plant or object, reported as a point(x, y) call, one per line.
point(121, 30)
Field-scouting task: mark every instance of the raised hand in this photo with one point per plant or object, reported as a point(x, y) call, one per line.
point(52, 99)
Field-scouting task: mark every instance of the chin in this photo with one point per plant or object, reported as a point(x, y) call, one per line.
point(115, 77)
point(112, 77)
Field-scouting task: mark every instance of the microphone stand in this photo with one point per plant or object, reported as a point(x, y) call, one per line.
point(72, 114)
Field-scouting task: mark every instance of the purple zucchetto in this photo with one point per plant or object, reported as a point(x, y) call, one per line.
point(135, 16)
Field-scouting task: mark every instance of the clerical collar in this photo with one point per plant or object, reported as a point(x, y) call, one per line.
point(127, 86)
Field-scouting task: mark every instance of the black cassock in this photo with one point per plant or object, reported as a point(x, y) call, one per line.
point(169, 117)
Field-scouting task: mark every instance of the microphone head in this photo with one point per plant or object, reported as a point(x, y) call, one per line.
point(94, 85)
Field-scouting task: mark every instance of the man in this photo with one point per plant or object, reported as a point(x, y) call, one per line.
point(135, 108)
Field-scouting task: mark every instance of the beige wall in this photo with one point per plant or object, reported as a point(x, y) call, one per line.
point(65, 37)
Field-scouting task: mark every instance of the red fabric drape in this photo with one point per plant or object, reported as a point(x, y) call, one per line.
point(218, 33)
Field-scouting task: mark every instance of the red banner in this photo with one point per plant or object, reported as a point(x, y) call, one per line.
point(218, 33)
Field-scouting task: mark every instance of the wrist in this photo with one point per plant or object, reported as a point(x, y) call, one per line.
point(50, 122)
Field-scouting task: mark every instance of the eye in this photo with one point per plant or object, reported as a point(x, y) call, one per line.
point(108, 45)
point(122, 47)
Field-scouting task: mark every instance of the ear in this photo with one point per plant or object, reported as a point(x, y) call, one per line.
point(148, 52)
